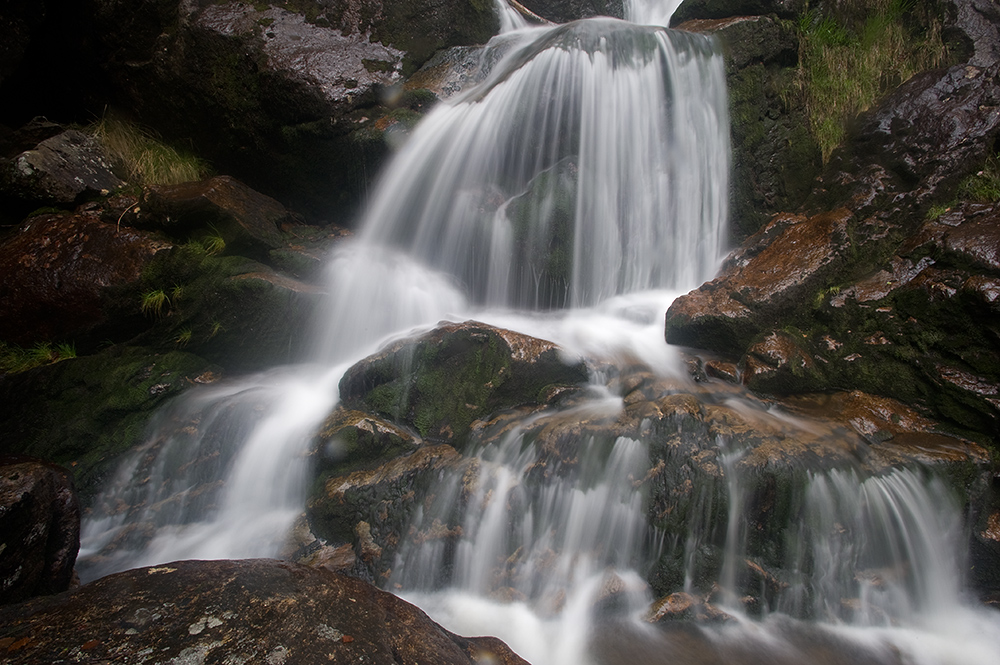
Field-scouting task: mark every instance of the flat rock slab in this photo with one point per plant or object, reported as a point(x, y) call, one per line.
point(253, 611)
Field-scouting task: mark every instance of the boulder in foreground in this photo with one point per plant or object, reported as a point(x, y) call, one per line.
point(254, 611)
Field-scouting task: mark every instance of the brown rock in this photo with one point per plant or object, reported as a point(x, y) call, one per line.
point(724, 313)
point(258, 611)
point(779, 365)
point(247, 220)
point(39, 529)
point(53, 272)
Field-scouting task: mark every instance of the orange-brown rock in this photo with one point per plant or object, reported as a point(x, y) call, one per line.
point(726, 312)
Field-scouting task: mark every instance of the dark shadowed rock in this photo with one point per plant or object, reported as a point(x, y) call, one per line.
point(54, 271)
point(256, 611)
point(564, 11)
point(60, 170)
point(40, 527)
point(248, 221)
point(700, 9)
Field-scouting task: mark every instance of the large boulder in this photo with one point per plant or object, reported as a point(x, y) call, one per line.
point(40, 523)
point(247, 222)
point(235, 611)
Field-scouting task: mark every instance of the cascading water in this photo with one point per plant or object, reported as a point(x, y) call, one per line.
point(569, 196)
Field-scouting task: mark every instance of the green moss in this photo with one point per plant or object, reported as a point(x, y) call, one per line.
point(850, 58)
point(85, 412)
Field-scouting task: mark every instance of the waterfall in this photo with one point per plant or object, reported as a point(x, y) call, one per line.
point(570, 196)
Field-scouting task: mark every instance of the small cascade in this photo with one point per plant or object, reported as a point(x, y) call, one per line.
point(530, 528)
point(881, 549)
point(223, 474)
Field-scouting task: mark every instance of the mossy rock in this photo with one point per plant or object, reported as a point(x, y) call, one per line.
point(229, 309)
point(441, 382)
point(84, 413)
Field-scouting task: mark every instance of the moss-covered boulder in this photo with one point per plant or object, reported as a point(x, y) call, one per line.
point(775, 158)
point(440, 382)
point(84, 413)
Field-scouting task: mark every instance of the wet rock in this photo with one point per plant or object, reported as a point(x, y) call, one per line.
point(348, 440)
point(921, 140)
point(718, 369)
point(973, 23)
point(779, 365)
point(55, 273)
point(439, 383)
point(370, 508)
point(235, 611)
point(59, 170)
point(681, 606)
point(247, 221)
point(725, 313)
point(895, 431)
point(40, 523)
point(450, 71)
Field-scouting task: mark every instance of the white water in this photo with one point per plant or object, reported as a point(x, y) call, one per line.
point(571, 196)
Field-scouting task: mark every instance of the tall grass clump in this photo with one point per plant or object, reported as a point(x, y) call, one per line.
point(849, 59)
point(15, 359)
point(143, 158)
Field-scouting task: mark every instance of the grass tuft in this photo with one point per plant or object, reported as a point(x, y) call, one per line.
point(15, 359)
point(846, 63)
point(144, 158)
point(153, 302)
point(183, 337)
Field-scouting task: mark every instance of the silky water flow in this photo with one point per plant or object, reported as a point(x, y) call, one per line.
point(571, 195)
